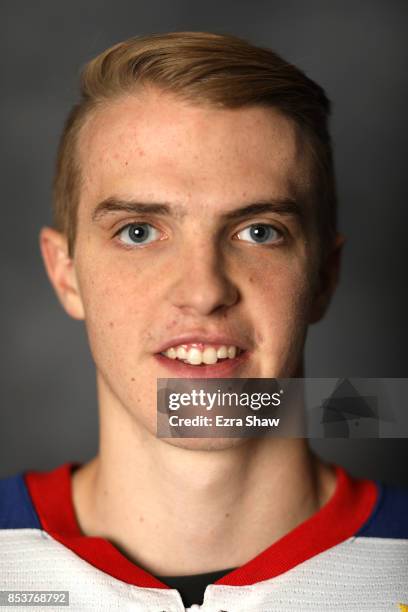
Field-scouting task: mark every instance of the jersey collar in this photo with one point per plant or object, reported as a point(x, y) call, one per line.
point(349, 507)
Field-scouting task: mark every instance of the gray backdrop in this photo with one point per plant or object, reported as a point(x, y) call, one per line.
point(357, 51)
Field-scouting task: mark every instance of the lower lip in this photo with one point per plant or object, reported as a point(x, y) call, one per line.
point(228, 368)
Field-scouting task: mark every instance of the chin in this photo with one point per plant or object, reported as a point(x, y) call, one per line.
point(205, 444)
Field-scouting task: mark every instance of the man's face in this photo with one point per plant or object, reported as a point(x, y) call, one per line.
point(196, 273)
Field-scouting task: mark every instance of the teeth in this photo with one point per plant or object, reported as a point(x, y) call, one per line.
point(209, 355)
point(181, 353)
point(232, 351)
point(195, 356)
point(222, 352)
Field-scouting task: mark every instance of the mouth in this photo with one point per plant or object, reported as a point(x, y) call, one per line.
point(198, 353)
point(202, 359)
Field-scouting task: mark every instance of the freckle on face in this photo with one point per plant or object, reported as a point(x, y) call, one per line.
point(259, 338)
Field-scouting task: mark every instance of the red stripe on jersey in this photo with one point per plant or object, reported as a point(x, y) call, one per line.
point(340, 518)
point(51, 494)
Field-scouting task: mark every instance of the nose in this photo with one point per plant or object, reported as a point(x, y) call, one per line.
point(202, 284)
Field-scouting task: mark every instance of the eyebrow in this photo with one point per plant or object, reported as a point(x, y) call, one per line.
point(282, 206)
point(114, 205)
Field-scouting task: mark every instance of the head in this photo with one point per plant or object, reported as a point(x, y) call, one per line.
point(194, 201)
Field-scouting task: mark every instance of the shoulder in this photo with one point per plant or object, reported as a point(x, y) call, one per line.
point(16, 508)
point(389, 518)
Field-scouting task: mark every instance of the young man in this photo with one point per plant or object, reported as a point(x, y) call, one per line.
point(195, 234)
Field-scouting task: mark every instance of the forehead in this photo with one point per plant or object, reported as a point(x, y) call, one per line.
point(156, 146)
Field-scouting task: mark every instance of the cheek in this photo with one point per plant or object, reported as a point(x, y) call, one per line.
point(118, 309)
point(281, 298)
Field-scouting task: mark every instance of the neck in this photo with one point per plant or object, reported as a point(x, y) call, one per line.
point(149, 497)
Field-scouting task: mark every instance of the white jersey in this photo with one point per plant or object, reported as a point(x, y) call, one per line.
point(349, 556)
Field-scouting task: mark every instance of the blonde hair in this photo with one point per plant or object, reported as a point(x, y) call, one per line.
point(203, 68)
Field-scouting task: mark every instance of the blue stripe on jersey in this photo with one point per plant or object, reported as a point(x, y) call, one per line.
point(16, 508)
point(389, 518)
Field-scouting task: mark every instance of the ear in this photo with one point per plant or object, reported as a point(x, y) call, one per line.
point(61, 271)
point(328, 279)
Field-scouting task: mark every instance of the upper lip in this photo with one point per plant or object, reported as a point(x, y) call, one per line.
point(205, 338)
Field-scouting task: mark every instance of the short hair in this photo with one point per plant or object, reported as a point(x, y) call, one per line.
point(203, 68)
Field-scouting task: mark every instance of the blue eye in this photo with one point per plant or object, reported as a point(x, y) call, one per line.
point(138, 233)
point(260, 233)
